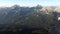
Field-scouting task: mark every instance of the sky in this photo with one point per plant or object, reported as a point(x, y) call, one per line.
point(30, 3)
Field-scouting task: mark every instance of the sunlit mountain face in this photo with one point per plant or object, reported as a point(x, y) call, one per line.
point(38, 17)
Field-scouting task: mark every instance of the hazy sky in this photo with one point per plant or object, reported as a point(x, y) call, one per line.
point(30, 3)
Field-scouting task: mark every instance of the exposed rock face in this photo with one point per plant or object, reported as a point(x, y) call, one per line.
point(47, 9)
point(57, 9)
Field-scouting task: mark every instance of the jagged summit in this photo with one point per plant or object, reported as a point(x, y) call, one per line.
point(15, 6)
point(39, 6)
